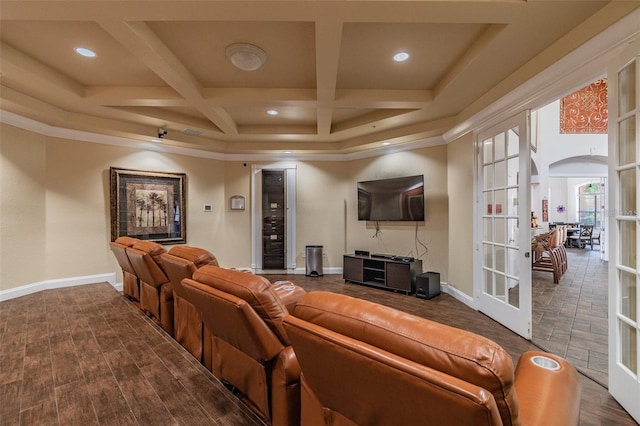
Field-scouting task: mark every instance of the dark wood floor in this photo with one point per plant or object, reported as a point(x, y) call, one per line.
point(85, 355)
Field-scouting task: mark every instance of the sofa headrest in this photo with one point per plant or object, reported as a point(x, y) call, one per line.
point(198, 256)
point(150, 247)
point(145, 257)
point(126, 241)
point(254, 289)
point(456, 352)
point(119, 251)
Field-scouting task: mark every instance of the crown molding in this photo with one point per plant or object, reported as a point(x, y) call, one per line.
point(38, 127)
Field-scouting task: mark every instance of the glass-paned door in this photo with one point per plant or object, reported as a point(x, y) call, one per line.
point(624, 223)
point(502, 282)
point(590, 202)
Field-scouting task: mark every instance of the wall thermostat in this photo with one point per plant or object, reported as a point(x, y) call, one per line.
point(207, 208)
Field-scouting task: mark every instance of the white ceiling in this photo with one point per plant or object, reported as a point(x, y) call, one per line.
point(328, 72)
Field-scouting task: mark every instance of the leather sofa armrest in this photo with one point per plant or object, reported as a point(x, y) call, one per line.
point(547, 395)
point(287, 367)
point(285, 389)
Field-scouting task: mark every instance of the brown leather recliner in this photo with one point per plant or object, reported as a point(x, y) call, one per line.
point(364, 363)
point(130, 282)
point(179, 263)
point(251, 351)
point(156, 294)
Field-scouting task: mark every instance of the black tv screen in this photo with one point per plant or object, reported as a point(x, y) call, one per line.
point(395, 199)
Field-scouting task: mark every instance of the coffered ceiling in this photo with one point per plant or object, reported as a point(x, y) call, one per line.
point(329, 70)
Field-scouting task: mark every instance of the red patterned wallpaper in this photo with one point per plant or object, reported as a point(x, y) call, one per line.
point(586, 110)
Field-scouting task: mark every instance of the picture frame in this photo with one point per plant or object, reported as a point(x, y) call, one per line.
point(148, 205)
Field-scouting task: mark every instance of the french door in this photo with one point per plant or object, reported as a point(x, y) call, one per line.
point(502, 282)
point(624, 226)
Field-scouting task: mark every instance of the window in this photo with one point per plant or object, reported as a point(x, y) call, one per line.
point(590, 200)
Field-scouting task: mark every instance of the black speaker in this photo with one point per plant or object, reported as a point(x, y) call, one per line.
point(427, 285)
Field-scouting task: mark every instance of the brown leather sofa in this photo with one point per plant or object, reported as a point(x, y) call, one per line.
point(180, 263)
point(156, 294)
point(251, 351)
point(365, 364)
point(130, 282)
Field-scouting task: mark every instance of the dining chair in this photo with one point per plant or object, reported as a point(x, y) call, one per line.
point(582, 238)
point(595, 236)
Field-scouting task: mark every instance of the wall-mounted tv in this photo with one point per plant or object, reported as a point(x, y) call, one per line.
point(395, 199)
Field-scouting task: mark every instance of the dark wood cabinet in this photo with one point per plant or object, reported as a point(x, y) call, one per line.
point(392, 274)
point(273, 212)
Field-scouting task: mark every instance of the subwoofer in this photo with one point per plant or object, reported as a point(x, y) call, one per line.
point(427, 285)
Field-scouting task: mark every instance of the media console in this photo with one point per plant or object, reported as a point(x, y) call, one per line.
point(390, 272)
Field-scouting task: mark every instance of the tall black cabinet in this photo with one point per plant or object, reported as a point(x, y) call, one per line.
point(273, 214)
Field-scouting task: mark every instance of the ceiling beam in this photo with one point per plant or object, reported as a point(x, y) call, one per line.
point(328, 42)
point(142, 42)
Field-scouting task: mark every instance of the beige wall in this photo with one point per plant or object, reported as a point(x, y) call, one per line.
point(22, 207)
point(323, 189)
point(460, 189)
point(55, 206)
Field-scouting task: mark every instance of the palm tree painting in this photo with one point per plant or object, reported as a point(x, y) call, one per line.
point(148, 205)
point(151, 208)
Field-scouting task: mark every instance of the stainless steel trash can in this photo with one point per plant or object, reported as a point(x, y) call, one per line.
point(314, 261)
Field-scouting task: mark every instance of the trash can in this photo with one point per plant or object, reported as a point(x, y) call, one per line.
point(314, 261)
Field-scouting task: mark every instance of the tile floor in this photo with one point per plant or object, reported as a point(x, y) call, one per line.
point(570, 318)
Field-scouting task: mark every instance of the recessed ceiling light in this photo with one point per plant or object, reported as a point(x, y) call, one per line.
point(88, 53)
point(272, 112)
point(287, 152)
point(401, 56)
point(386, 143)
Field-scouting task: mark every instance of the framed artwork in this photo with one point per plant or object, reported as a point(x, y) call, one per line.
point(545, 210)
point(148, 205)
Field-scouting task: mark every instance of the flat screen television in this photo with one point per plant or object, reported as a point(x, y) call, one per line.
point(395, 199)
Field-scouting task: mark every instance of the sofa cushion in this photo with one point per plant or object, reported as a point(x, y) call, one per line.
point(456, 352)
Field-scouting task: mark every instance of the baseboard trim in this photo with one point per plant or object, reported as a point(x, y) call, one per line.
point(27, 289)
point(325, 271)
point(458, 295)
point(299, 271)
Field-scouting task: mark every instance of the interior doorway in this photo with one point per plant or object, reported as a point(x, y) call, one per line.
point(273, 218)
point(569, 186)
